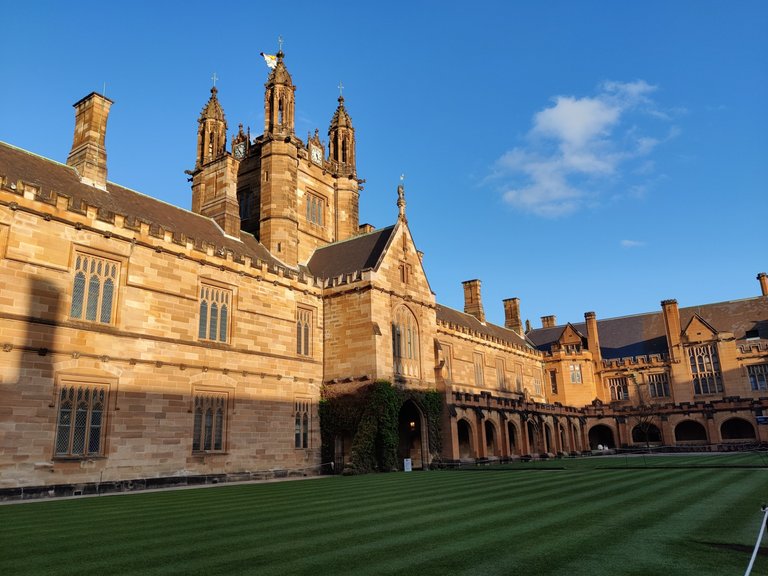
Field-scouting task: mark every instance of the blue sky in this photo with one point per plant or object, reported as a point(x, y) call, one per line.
point(578, 155)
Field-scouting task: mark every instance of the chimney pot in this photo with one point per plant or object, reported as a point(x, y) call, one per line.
point(548, 321)
point(763, 279)
point(512, 315)
point(473, 303)
point(89, 154)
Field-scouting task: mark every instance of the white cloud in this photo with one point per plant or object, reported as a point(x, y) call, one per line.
point(575, 146)
point(632, 243)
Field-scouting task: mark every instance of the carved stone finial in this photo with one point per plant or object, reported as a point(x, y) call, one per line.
point(401, 199)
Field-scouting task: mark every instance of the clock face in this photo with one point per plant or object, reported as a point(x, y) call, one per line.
point(239, 150)
point(317, 155)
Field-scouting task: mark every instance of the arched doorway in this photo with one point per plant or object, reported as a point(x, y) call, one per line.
point(737, 429)
point(512, 433)
point(646, 434)
point(410, 431)
point(601, 435)
point(691, 432)
point(490, 439)
point(464, 433)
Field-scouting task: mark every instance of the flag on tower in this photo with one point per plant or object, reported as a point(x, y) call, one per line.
point(270, 59)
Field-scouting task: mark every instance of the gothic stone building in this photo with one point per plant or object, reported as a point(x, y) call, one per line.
point(145, 344)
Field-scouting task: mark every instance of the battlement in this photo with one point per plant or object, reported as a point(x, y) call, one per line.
point(217, 250)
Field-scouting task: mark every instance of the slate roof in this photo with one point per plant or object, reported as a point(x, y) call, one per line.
point(352, 255)
point(451, 316)
point(50, 176)
point(644, 334)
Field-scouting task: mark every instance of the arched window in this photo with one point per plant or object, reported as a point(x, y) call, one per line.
point(80, 418)
point(213, 323)
point(405, 343)
point(705, 369)
point(93, 289)
point(209, 426)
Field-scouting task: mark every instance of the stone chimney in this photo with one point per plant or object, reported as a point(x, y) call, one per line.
point(672, 326)
point(763, 279)
point(89, 155)
point(512, 315)
point(548, 321)
point(593, 340)
point(472, 303)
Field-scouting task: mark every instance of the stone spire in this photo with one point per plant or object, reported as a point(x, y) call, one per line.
point(279, 102)
point(211, 131)
point(341, 136)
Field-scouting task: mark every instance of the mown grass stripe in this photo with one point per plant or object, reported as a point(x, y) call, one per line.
point(449, 522)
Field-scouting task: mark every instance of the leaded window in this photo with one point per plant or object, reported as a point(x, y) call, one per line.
point(210, 419)
point(619, 388)
point(214, 313)
point(93, 289)
point(575, 371)
point(303, 332)
point(658, 385)
point(705, 369)
point(301, 424)
point(758, 376)
point(79, 428)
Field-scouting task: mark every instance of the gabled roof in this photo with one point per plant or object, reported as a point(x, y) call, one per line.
point(50, 176)
point(451, 316)
point(356, 254)
point(645, 334)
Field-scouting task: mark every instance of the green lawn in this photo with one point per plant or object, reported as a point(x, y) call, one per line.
point(588, 519)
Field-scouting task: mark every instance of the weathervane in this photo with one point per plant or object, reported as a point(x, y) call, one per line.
point(280, 43)
point(341, 89)
point(214, 78)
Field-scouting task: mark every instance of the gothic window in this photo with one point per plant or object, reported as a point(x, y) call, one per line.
point(573, 348)
point(210, 422)
point(93, 289)
point(519, 377)
point(501, 380)
point(448, 355)
point(80, 423)
point(705, 369)
point(619, 388)
point(214, 313)
point(658, 385)
point(405, 343)
point(344, 151)
point(301, 424)
point(303, 332)
point(758, 376)
point(478, 362)
point(315, 209)
point(553, 381)
point(575, 371)
point(280, 112)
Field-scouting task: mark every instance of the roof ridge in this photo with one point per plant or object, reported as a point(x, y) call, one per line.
point(351, 238)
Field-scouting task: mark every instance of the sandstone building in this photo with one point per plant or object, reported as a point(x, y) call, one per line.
point(144, 343)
